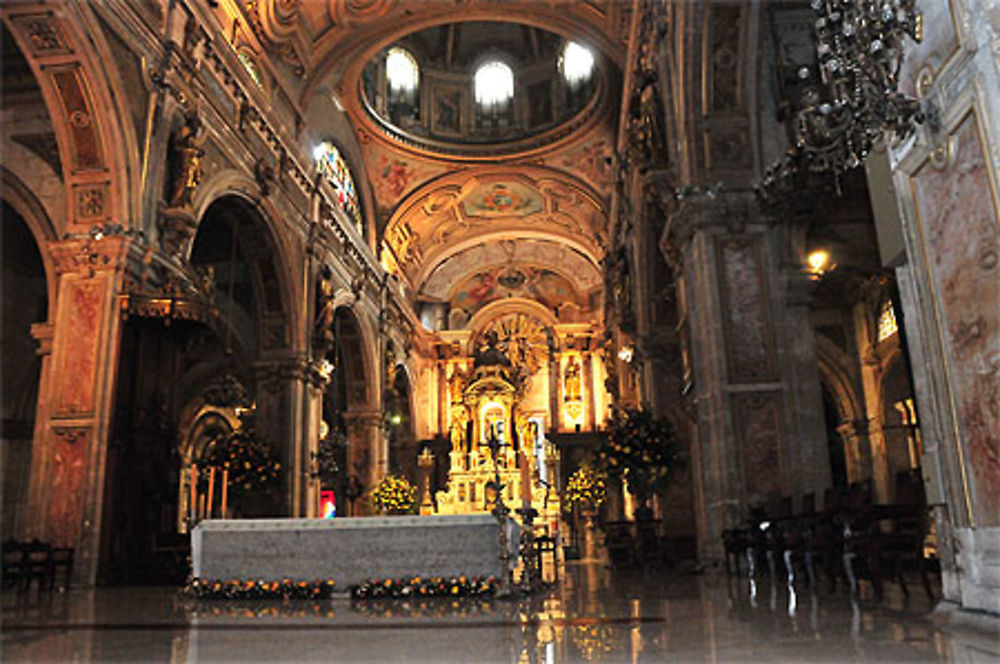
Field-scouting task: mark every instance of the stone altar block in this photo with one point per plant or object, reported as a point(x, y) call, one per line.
point(347, 550)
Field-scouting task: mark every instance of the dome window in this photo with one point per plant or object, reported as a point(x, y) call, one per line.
point(402, 72)
point(576, 64)
point(494, 85)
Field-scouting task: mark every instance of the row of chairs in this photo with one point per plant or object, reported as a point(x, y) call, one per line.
point(25, 562)
point(870, 541)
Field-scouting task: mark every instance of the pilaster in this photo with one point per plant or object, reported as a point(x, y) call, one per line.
point(75, 399)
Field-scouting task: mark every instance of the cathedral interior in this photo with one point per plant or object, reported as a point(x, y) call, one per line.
point(360, 239)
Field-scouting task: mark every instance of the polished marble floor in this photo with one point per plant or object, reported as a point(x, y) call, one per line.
point(592, 614)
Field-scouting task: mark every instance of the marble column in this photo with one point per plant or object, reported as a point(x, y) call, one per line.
point(749, 379)
point(284, 400)
point(871, 383)
point(555, 424)
point(76, 394)
point(591, 398)
point(366, 450)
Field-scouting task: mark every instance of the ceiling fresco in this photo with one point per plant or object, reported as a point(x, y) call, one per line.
point(571, 264)
point(473, 207)
point(505, 281)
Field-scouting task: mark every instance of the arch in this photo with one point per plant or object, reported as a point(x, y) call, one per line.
point(435, 222)
point(31, 210)
point(87, 104)
point(510, 306)
point(267, 261)
point(360, 395)
point(833, 371)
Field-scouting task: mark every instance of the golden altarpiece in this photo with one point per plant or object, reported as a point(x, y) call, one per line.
point(497, 398)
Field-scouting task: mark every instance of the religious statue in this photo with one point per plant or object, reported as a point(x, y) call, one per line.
point(571, 381)
point(491, 355)
point(456, 384)
point(186, 155)
point(323, 334)
point(459, 421)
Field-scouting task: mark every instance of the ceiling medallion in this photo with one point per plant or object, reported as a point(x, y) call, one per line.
point(851, 96)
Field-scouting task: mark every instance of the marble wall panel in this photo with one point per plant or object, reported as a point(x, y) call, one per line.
point(78, 332)
point(958, 212)
point(939, 44)
point(749, 344)
point(65, 495)
point(757, 422)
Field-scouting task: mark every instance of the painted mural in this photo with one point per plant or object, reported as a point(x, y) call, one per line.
point(963, 236)
point(495, 283)
point(393, 177)
point(502, 199)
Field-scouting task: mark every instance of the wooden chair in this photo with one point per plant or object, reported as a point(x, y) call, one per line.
point(13, 564)
point(37, 564)
point(620, 544)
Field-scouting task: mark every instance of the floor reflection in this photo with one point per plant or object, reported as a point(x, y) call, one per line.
point(593, 615)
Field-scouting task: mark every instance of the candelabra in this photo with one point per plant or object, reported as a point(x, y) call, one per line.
point(502, 514)
point(851, 95)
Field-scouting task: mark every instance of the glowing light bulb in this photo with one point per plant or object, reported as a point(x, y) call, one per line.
point(818, 260)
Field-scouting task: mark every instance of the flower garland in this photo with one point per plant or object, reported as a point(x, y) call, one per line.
point(394, 495)
point(640, 449)
point(259, 589)
point(408, 587)
point(585, 488)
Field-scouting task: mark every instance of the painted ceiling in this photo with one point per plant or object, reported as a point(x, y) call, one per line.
point(452, 223)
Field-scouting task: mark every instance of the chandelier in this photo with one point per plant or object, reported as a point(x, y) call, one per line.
point(850, 97)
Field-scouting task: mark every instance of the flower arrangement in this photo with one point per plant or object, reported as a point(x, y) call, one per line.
point(429, 607)
point(252, 464)
point(585, 489)
point(415, 587)
point(259, 589)
point(326, 467)
point(640, 449)
point(595, 641)
point(394, 495)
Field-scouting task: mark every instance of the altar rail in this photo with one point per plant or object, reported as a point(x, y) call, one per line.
point(347, 550)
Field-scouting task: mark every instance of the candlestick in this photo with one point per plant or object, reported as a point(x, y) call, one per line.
point(525, 479)
point(211, 491)
point(225, 488)
point(194, 493)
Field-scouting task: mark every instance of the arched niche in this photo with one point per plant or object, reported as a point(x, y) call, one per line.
point(234, 243)
point(900, 429)
point(26, 291)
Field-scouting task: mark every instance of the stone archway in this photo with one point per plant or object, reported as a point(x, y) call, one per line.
point(348, 411)
point(25, 312)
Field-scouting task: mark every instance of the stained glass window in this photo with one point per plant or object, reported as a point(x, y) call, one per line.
point(333, 166)
point(886, 322)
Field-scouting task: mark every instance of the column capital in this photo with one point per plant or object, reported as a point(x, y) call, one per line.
point(87, 255)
